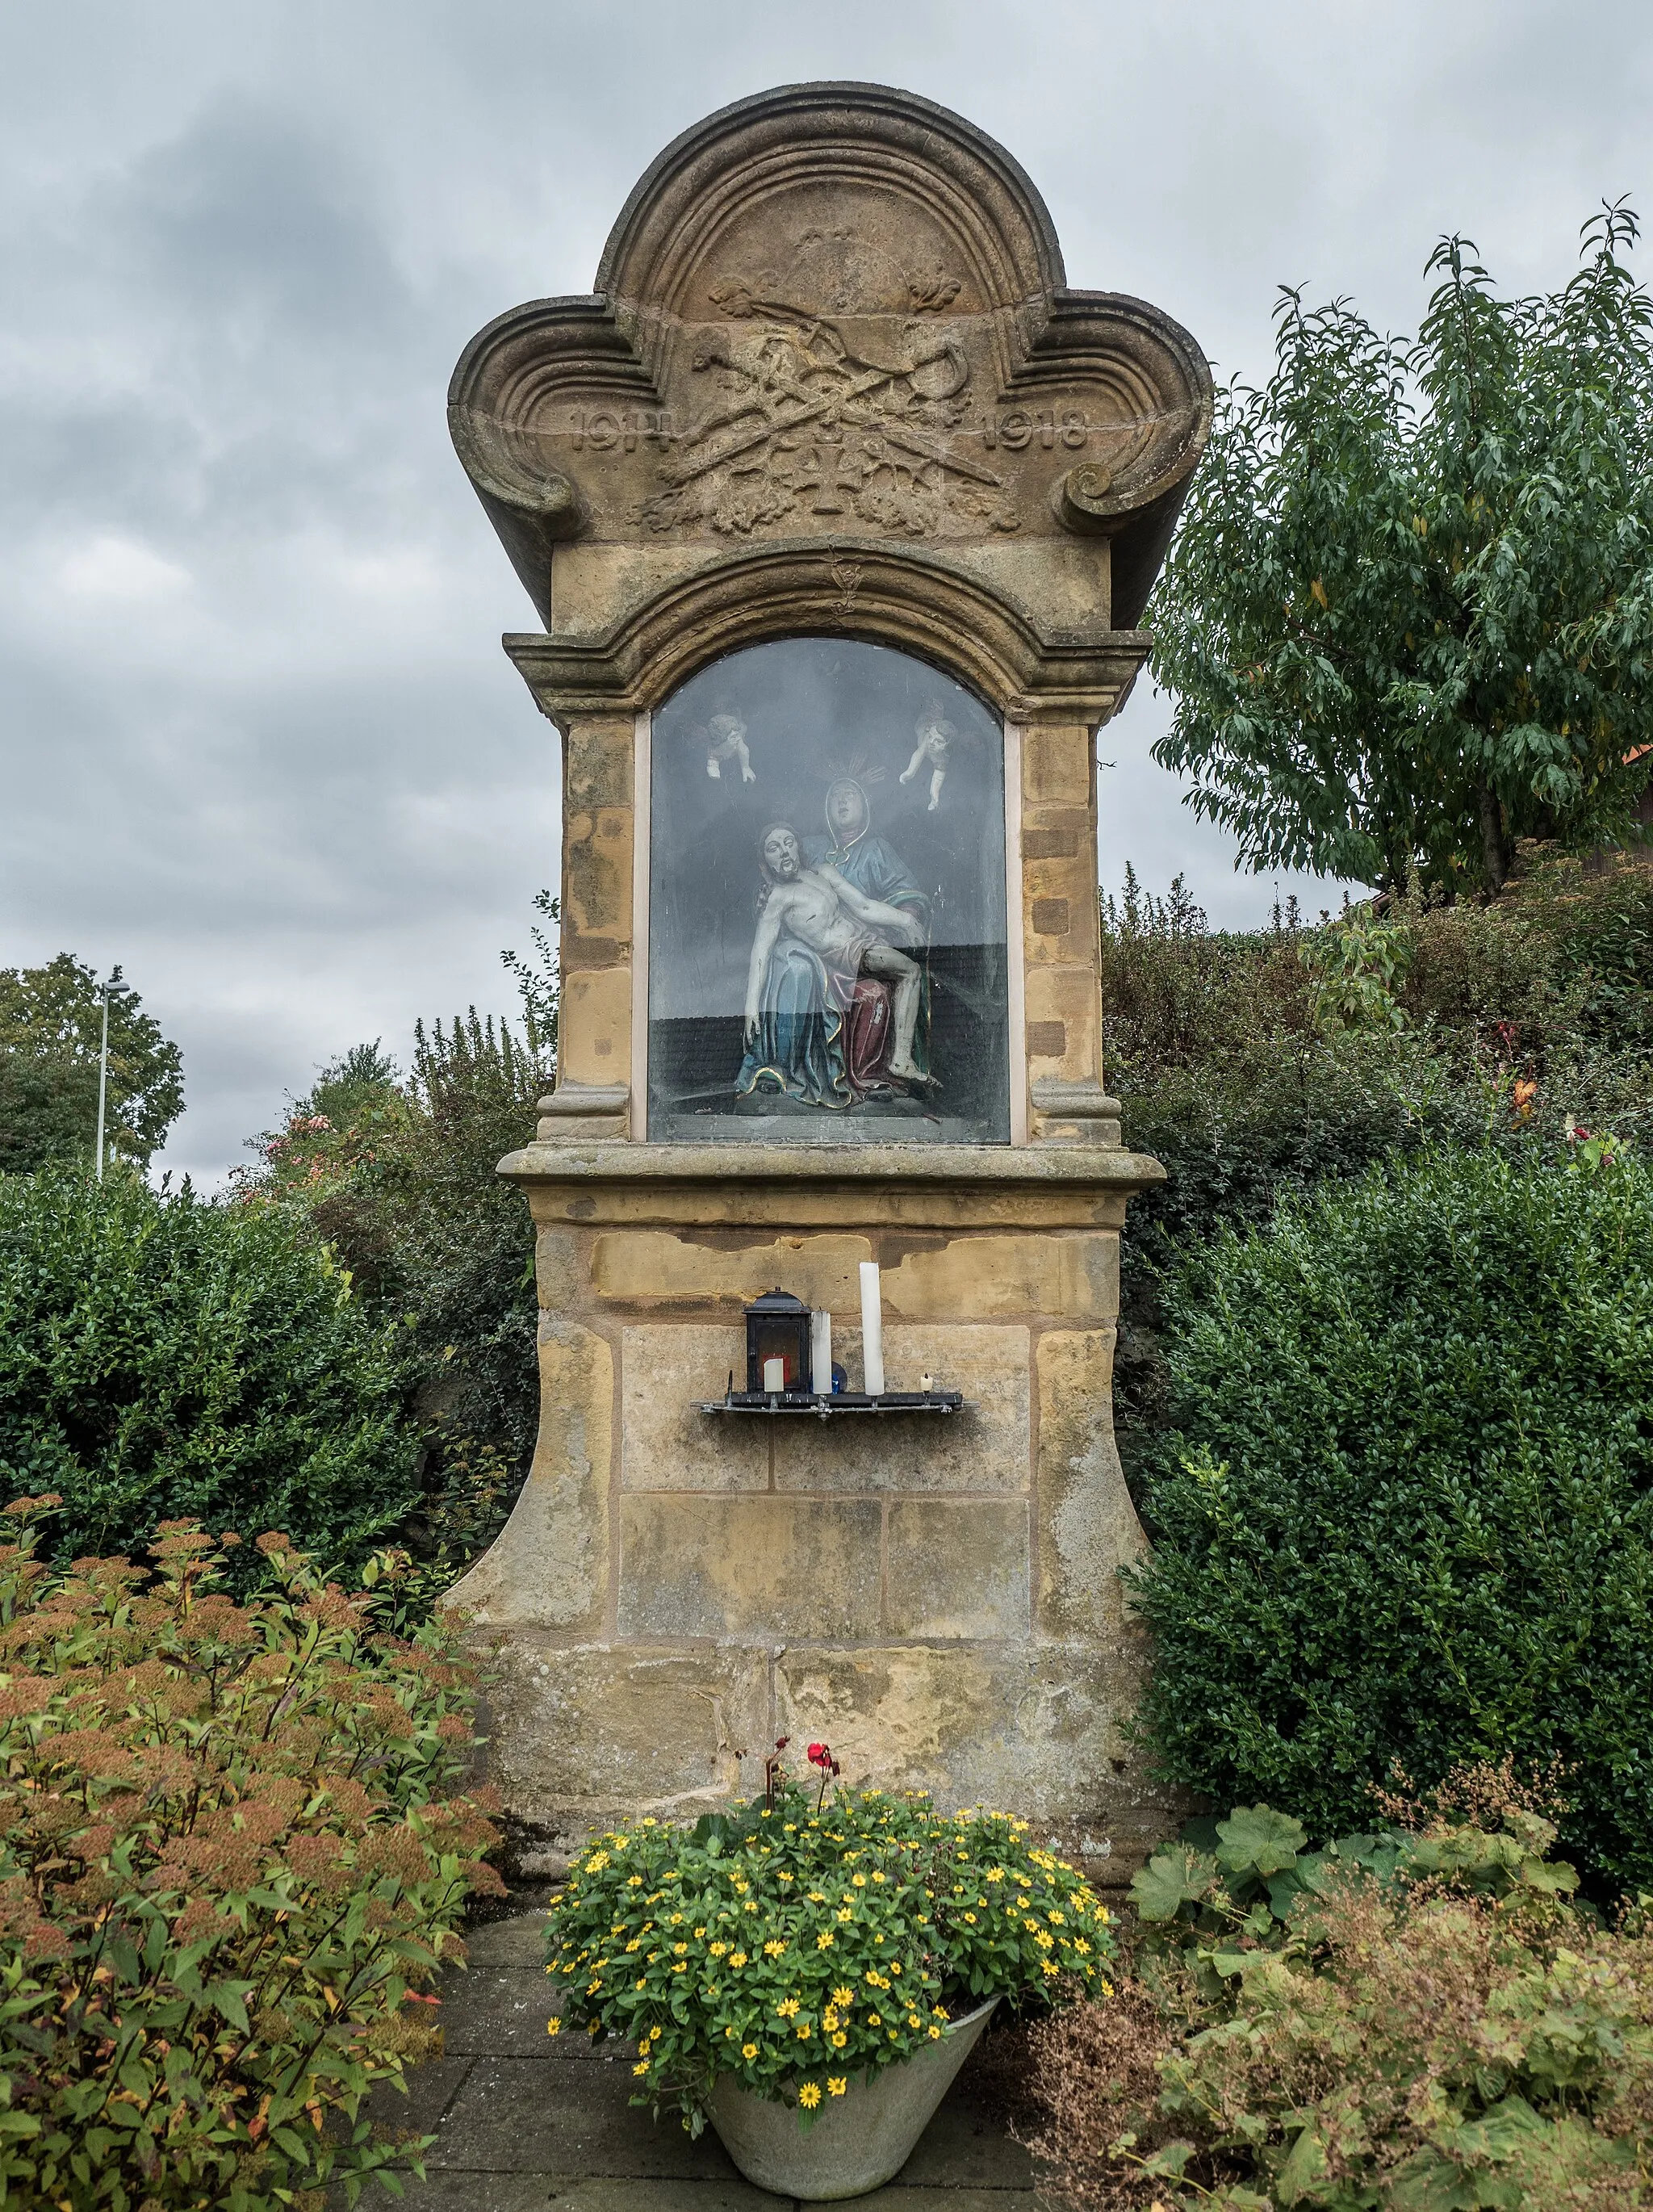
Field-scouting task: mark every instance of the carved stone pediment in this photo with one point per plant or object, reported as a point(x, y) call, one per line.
point(833, 312)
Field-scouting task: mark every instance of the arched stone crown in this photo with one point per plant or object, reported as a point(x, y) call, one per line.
point(832, 322)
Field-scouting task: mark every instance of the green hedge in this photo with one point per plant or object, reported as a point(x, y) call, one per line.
point(1403, 1509)
point(162, 1357)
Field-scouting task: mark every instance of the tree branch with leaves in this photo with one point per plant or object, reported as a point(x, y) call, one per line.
point(1408, 616)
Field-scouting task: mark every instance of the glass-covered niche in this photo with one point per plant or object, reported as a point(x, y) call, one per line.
point(826, 921)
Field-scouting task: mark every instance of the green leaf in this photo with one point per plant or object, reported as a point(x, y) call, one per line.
point(1170, 1879)
point(1504, 2131)
point(1255, 1839)
point(1304, 2167)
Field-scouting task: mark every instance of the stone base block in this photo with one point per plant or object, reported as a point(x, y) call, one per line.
point(588, 1734)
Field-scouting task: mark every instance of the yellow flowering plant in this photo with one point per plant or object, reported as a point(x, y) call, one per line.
point(799, 1946)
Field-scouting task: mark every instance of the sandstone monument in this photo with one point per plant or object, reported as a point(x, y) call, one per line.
point(838, 507)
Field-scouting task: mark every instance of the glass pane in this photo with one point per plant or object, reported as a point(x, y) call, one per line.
point(826, 933)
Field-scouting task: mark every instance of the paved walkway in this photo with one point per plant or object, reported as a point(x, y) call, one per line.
point(525, 2123)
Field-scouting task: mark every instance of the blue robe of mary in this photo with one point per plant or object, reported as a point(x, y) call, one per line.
point(799, 1046)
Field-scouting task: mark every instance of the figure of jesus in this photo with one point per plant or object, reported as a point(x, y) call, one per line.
point(932, 733)
point(847, 931)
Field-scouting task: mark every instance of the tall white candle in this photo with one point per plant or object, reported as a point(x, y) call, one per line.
point(872, 1329)
point(820, 1352)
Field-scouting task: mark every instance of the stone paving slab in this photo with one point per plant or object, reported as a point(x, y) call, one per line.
point(502, 2013)
point(526, 2123)
point(517, 1940)
point(565, 2117)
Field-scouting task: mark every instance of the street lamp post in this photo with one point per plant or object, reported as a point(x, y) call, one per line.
point(103, 1078)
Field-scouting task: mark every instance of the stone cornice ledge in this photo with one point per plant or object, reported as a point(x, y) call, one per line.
point(1036, 1167)
point(915, 602)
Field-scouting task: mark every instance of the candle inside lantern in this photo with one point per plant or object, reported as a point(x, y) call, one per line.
point(775, 1374)
point(872, 1329)
point(820, 1352)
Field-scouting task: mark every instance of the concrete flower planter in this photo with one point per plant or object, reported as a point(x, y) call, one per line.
point(857, 2140)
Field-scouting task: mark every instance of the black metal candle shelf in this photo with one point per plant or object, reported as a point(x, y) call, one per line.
point(841, 1401)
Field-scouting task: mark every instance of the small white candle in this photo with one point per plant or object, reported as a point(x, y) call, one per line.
point(872, 1329)
point(775, 1374)
point(820, 1352)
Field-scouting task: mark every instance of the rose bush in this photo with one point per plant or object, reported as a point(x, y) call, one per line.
point(795, 1944)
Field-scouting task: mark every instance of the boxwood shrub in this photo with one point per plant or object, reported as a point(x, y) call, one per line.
point(163, 1357)
point(1403, 1511)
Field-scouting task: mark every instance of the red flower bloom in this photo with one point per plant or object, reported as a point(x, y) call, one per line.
point(819, 1755)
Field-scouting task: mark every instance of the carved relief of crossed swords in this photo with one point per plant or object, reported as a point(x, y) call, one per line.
point(847, 402)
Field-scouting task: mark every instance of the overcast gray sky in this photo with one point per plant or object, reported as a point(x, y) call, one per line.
point(257, 740)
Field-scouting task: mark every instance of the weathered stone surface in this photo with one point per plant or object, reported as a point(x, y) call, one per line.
point(965, 2153)
point(1064, 1021)
point(597, 885)
point(707, 1188)
point(956, 1568)
point(653, 1268)
point(535, 2116)
point(763, 1567)
point(666, 1442)
point(582, 1730)
point(598, 764)
point(549, 1567)
point(631, 2193)
point(1071, 1277)
point(515, 1942)
point(498, 2010)
point(901, 2197)
point(594, 1032)
point(987, 1446)
point(1058, 767)
point(1034, 1728)
point(1088, 1528)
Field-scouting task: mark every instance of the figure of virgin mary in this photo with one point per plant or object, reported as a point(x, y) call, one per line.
point(854, 849)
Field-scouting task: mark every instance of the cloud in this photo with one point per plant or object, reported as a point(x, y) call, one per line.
point(258, 741)
point(114, 567)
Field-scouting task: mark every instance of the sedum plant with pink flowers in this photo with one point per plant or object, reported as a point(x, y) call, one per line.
point(798, 1944)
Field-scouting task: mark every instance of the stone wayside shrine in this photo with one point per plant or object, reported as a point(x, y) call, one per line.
point(839, 507)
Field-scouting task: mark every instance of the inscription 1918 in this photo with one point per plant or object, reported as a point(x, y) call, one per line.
point(1019, 427)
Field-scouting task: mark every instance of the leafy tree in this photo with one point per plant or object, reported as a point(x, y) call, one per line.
point(397, 1175)
point(539, 980)
point(51, 1031)
point(1408, 618)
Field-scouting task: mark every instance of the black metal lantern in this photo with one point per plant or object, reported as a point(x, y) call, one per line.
point(777, 1328)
